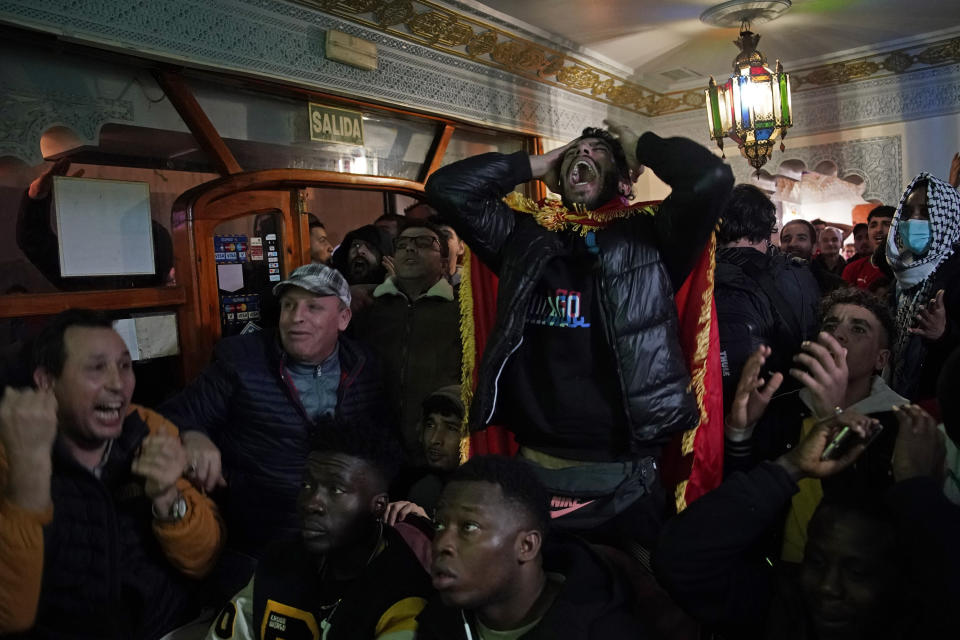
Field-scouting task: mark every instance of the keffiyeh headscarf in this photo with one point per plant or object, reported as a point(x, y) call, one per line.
point(915, 277)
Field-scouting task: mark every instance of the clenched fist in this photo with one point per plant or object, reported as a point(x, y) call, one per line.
point(28, 429)
point(161, 462)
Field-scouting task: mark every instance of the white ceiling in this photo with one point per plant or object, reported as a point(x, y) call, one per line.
point(650, 37)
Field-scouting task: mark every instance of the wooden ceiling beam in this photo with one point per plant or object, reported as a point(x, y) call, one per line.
point(197, 121)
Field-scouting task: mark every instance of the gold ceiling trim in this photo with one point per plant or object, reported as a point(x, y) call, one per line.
point(445, 30)
point(908, 60)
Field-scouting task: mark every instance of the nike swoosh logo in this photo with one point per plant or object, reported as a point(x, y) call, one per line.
point(562, 512)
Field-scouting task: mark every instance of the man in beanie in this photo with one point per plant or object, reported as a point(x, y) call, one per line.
point(360, 256)
point(256, 402)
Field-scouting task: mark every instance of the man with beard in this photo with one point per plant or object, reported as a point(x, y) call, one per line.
point(360, 256)
point(798, 238)
point(583, 363)
point(348, 576)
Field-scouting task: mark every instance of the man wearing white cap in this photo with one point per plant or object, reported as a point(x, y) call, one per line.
point(256, 402)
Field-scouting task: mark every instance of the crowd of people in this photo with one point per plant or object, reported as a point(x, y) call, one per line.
point(314, 482)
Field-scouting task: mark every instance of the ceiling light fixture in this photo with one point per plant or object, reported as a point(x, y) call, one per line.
point(752, 107)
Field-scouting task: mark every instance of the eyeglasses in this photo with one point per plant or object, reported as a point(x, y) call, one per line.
point(416, 243)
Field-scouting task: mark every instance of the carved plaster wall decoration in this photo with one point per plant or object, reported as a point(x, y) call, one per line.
point(284, 41)
point(25, 115)
point(876, 160)
point(448, 59)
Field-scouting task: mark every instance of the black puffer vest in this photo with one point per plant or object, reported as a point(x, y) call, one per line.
point(104, 573)
point(639, 317)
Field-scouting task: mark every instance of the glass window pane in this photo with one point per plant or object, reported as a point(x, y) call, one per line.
point(272, 132)
point(467, 142)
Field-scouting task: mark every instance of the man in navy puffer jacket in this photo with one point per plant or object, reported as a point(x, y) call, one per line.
point(254, 406)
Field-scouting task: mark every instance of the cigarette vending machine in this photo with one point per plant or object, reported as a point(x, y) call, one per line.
point(248, 267)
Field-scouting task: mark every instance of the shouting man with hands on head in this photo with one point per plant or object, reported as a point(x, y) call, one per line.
point(98, 530)
point(583, 363)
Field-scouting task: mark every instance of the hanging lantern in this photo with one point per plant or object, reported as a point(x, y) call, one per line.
point(752, 107)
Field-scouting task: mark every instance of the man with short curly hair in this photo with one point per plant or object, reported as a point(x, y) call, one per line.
point(584, 363)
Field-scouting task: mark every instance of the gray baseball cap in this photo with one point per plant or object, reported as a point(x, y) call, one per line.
point(319, 279)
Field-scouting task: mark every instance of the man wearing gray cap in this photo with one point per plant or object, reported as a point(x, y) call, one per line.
point(254, 404)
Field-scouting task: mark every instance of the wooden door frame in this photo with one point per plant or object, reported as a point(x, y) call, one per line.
point(196, 214)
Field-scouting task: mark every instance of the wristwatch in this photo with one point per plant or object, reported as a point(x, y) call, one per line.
point(178, 509)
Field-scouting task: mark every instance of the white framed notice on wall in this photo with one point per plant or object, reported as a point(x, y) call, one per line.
point(103, 227)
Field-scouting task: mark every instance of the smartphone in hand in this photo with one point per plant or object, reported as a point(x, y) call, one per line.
point(846, 439)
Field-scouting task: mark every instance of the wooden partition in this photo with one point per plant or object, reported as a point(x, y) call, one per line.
point(198, 212)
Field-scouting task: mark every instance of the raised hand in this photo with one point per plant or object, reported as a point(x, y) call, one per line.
point(546, 167)
point(824, 372)
point(752, 396)
point(28, 429)
point(932, 319)
point(806, 459)
point(389, 265)
point(398, 511)
point(920, 449)
point(954, 177)
point(40, 187)
point(628, 140)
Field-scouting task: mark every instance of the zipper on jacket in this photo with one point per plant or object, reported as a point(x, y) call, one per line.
point(293, 393)
point(608, 330)
point(496, 380)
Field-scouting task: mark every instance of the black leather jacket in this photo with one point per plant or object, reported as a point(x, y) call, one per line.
point(643, 259)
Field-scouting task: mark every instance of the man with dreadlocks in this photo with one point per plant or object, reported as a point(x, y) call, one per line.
point(583, 364)
point(921, 250)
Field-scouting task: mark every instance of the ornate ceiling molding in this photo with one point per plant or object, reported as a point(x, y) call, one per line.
point(880, 65)
point(446, 30)
point(445, 58)
point(449, 31)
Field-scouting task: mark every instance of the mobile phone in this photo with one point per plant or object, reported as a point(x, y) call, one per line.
point(845, 439)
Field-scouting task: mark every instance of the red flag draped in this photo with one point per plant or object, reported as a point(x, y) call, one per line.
point(481, 289)
point(693, 463)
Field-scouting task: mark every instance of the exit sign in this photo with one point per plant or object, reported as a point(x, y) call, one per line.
point(340, 126)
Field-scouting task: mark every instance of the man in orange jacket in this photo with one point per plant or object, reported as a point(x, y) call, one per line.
point(99, 532)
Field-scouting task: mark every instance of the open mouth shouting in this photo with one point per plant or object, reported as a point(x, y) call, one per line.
point(109, 412)
point(583, 173)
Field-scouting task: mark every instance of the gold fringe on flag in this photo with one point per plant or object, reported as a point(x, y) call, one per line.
point(468, 342)
point(553, 216)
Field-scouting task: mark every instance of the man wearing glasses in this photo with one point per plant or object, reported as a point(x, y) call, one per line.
point(414, 325)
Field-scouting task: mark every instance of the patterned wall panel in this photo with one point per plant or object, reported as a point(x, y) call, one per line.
point(285, 42)
point(877, 160)
point(421, 65)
